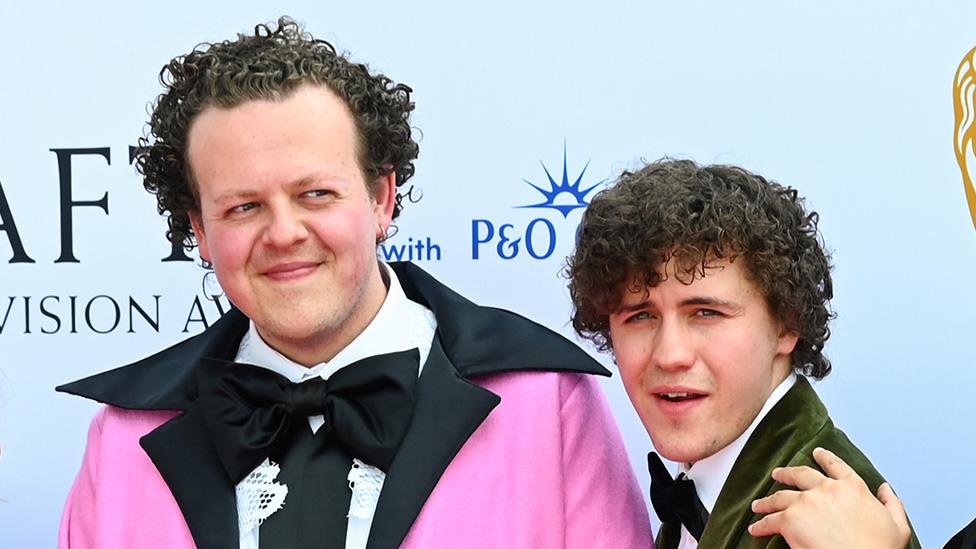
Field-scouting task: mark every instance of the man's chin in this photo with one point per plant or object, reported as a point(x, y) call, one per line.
point(292, 328)
point(681, 451)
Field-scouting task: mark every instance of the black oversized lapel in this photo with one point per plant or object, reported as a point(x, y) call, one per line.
point(788, 426)
point(183, 453)
point(449, 409)
point(166, 380)
point(485, 340)
point(181, 448)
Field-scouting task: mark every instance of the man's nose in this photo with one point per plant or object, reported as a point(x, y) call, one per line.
point(674, 347)
point(285, 227)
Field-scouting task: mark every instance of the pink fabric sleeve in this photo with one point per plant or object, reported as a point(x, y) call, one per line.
point(118, 498)
point(77, 522)
point(604, 507)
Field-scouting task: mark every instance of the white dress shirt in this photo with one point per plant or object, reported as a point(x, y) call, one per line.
point(711, 473)
point(400, 325)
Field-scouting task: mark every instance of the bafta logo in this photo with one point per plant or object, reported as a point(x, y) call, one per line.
point(964, 142)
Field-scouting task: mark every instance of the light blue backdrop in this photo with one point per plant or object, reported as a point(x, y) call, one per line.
point(850, 104)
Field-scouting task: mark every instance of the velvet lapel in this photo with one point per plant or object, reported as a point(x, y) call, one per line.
point(449, 409)
point(791, 424)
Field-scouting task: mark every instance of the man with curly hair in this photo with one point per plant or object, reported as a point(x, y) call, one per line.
point(343, 402)
point(711, 287)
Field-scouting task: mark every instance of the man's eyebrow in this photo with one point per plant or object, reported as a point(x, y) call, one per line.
point(234, 196)
point(629, 308)
point(700, 300)
point(312, 180)
point(302, 182)
point(713, 301)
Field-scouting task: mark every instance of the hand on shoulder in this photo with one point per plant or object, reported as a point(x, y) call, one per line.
point(841, 499)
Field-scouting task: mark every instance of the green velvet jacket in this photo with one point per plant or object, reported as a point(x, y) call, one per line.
point(786, 437)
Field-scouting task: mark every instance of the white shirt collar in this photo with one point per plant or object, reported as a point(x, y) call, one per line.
point(399, 325)
point(711, 473)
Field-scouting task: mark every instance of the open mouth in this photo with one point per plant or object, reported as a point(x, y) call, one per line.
point(679, 397)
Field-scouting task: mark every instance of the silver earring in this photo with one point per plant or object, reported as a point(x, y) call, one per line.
point(211, 286)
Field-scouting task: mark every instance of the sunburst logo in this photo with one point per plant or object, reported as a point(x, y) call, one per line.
point(964, 137)
point(562, 195)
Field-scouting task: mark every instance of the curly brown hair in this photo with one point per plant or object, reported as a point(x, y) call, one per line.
point(691, 214)
point(271, 64)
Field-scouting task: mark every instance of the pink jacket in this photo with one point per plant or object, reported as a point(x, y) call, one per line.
point(510, 445)
point(546, 469)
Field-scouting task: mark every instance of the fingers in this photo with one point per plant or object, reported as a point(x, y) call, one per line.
point(835, 467)
point(806, 478)
point(802, 477)
point(896, 510)
point(775, 502)
point(769, 525)
point(887, 496)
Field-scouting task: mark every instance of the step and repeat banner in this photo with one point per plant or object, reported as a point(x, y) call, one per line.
point(524, 110)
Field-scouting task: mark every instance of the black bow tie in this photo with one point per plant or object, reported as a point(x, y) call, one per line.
point(676, 500)
point(367, 406)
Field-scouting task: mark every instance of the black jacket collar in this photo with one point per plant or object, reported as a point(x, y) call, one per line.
point(476, 340)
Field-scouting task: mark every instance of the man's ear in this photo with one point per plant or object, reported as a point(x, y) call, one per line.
point(201, 237)
point(789, 335)
point(384, 198)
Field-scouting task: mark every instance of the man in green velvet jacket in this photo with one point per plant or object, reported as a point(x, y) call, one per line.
point(711, 288)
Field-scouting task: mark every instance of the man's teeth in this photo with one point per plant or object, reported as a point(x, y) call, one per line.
point(678, 396)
